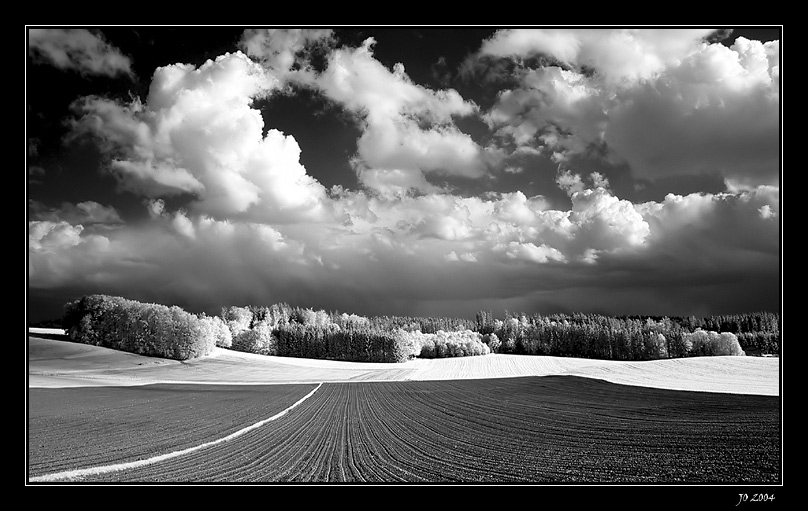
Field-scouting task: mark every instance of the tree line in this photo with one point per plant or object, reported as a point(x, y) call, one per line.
point(631, 337)
point(302, 332)
point(144, 328)
point(284, 330)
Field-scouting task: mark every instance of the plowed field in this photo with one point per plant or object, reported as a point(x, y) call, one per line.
point(527, 429)
point(548, 429)
point(79, 428)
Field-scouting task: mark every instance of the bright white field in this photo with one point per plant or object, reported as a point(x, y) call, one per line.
point(55, 364)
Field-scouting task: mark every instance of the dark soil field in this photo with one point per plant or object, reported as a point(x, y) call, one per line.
point(77, 428)
point(553, 429)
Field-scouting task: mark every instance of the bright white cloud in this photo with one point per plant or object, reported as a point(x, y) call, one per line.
point(285, 51)
point(124, 132)
point(47, 234)
point(549, 96)
point(745, 65)
point(466, 257)
point(517, 208)
point(662, 101)
point(554, 111)
point(719, 112)
point(79, 50)
point(509, 223)
point(183, 225)
point(258, 229)
point(766, 211)
point(727, 221)
point(198, 133)
point(363, 84)
point(408, 130)
point(59, 253)
point(530, 252)
point(393, 183)
point(604, 222)
point(618, 55)
point(399, 250)
point(559, 43)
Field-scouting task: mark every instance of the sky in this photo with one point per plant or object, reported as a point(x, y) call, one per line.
point(406, 170)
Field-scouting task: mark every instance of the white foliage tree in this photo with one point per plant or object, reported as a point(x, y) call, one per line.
point(215, 328)
point(258, 339)
point(237, 319)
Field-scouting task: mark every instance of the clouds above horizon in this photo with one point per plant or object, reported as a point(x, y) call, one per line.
point(198, 134)
point(663, 101)
point(407, 129)
point(79, 50)
point(232, 216)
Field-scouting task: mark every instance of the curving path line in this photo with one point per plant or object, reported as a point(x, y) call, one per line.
point(79, 473)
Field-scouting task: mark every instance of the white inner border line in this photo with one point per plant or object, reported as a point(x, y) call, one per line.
point(78, 473)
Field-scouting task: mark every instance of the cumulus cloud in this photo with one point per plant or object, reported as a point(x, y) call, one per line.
point(606, 222)
point(504, 251)
point(393, 183)
point(87, 212)
point(78, 50)
point(703, 224)
point(287, 52)
point(232, 217)
point(510, 224)
point(59, 254)
point(125, 134)
point(719, 112)
point(555, 109)
point(766, 211)
point(46, 234)
point(176, 257)
point(616, 54)
point(530, 252)
point(198, 134)
point(408, 130)
point(467, 257)
point(663, 101)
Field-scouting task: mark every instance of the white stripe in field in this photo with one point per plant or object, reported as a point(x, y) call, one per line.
point(74, 474)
